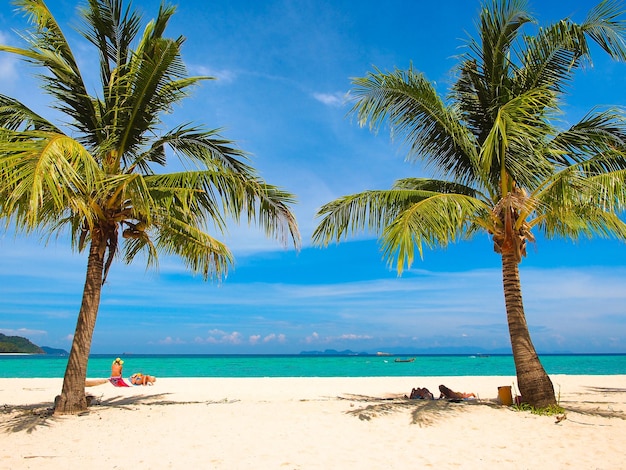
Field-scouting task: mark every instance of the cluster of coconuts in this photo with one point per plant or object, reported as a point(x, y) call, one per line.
point(134, 230)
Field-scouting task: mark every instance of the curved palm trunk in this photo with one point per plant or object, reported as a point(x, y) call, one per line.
point(72, 399)
point(533, 381)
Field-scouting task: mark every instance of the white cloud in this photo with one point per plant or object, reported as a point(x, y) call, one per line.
point(270, 337)
point(254, 339)
point(224, 75)
point(336, 99)
point(273, 337)
point(222, 337)
point(313, 338)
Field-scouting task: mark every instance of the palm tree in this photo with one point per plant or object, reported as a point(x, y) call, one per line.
point(503, 167)
point(98, 180)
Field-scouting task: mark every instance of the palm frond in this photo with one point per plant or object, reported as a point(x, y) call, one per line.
point(14, 116)
point(584, 199)
point(366, 211)
point(596, 133)
point(45, 170)
point(376, 211)
point(201, 253)
point(605, 26)
point(212, 195)
point(499, 25)
point(550, 58)
point(112, 30)
point(519, 131)
point(584, 219)
point(414, 111)
point(437, 220)
point(197, 148)
point(439, 186)
point(49, 49)
point(605, 177)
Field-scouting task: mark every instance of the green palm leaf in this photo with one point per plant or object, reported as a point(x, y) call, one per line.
point(416, 113)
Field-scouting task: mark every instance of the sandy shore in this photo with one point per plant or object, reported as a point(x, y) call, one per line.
point(312, 423)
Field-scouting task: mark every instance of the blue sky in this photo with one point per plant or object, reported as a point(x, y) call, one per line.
point(283, 69)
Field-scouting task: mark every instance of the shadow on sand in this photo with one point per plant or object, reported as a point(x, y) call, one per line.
point(423, 412)
point(27, 418)
point(428, 412)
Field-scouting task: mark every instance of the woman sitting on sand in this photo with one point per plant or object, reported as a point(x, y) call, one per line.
point(450, 395)
point(116, 368)
point(140, 379)
point(116, 373)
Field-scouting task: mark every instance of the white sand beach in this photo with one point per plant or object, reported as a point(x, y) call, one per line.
point(312, 423)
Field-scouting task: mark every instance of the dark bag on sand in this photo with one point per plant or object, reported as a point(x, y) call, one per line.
point(421, 394)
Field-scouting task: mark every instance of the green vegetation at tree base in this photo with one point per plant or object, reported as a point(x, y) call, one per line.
point(550, 410)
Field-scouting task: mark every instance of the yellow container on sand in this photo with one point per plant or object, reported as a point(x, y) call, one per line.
point(505, 396)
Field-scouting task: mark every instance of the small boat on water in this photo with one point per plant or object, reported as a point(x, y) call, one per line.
point(409, 359)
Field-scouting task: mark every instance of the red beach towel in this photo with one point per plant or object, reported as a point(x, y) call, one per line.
point(118, 382)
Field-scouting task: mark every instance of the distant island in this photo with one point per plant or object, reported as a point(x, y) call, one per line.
point(333, 352)
point(20, 345)
point(54, 351)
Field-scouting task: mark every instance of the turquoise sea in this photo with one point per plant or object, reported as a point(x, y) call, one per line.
point(30, 366)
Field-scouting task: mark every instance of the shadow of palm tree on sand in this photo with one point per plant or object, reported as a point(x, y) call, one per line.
point(27, 418)
point(423, 412)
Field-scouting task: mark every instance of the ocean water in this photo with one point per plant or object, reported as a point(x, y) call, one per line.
point(99, 366)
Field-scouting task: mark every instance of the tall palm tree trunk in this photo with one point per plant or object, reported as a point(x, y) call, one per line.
point(72, 399)
point(533, 381)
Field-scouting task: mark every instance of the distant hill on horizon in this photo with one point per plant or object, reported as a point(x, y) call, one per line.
point(54, 351)
point(404, 351)
point(21, 345)
point(18, 344)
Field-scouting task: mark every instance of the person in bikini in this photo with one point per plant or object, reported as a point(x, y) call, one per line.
point(116, 368)
point(141, 379)
point(451, 395)
point(116, 373)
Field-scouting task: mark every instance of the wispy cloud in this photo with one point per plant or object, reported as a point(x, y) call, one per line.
point(336, 99)
point(312, 338)
point(222, 75)
point(279, 338)
point(316, 338)
point(221, 337)
point(23, 332)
